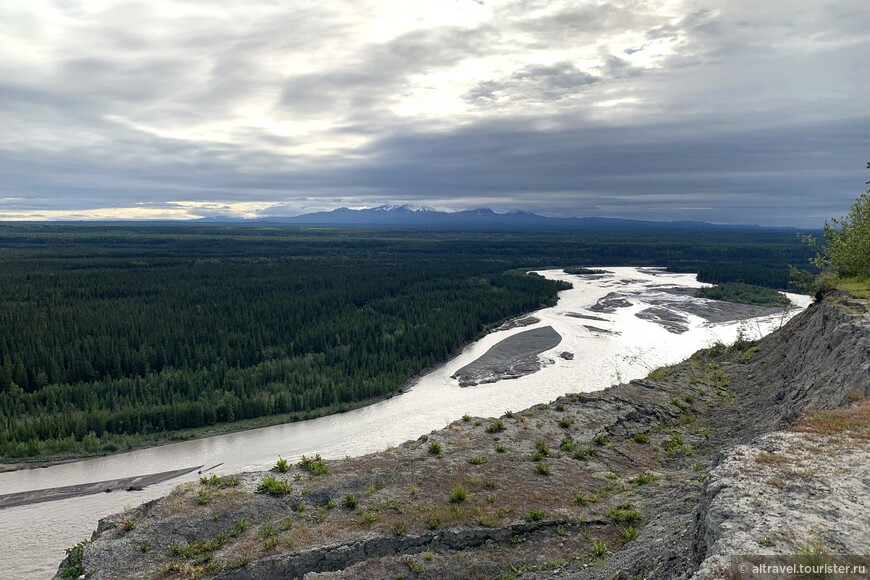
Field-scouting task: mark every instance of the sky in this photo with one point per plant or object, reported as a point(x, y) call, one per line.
point(730, 111)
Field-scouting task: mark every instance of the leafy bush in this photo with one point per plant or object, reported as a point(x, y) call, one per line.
point(844, 253)
point(542, 469)
point(314, 465)
point(273, 486)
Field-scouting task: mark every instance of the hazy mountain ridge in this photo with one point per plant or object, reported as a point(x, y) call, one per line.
point(424, 217)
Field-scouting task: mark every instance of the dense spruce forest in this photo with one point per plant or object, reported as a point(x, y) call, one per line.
point(116, 335)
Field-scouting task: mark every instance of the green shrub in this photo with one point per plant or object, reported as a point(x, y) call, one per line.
point(434, 448)
point(542, 469)
point(629, 533)
point(600, 439)
point(399, 529)
point(350, 501)
point(580, 499)
point(315, 465)
point(584, 453)
point(567, 444)
point(644, 478)
point(476, 460)
point(282, 465)
point(535, 515)
point(466, 417)
point(496, 426)
point(541, 447)
point(459, 494)
point(599, 548)
point(73, 567)
point(273, 486)
point(623, 515)
point(500, 449)
point(640, 438)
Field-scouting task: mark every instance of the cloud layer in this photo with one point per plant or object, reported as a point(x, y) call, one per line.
point(659, 109)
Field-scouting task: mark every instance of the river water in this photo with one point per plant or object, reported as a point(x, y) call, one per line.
point(34, 536)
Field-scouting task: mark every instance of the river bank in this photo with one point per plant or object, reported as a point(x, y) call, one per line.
point(625, 481)
point(38, 533)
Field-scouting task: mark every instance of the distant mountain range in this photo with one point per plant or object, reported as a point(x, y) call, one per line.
point(419, 217)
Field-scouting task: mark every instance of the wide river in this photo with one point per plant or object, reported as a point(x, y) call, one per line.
point(34, 536)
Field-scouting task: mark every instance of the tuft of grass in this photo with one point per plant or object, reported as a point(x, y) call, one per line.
point(661, 373)
point(599, 548)
point(273, 486)
point(856, 287)
point(204, 496)
point(476, 460)
point(566, 422)
point(580, 499)
point(853, 421)
point(428, 556)
point(281, 466)
point(771, 459)
point(458, 494)
point(399, 529)
point(618, 514)
point(535, 515)
point(567, 444)
point(466, 417)
point(496, 426)
point(813, 554)
point(500, 449)
point(583, 454)
point(640, 438)
point(434, 448)
point(541, 447)
point(600, 439)
point(674, 444)
point(644, 478)
point(315, 465)
point(629, 533)
point(542, 469)
point(238, 562)
point(350, 501)
point(414, 566)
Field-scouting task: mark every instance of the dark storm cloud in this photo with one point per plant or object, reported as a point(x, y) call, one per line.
point(738, 112)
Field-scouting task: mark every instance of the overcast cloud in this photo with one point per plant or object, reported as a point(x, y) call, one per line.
point(739, 111)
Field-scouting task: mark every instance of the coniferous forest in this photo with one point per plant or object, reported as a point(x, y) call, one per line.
point(117, 335)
